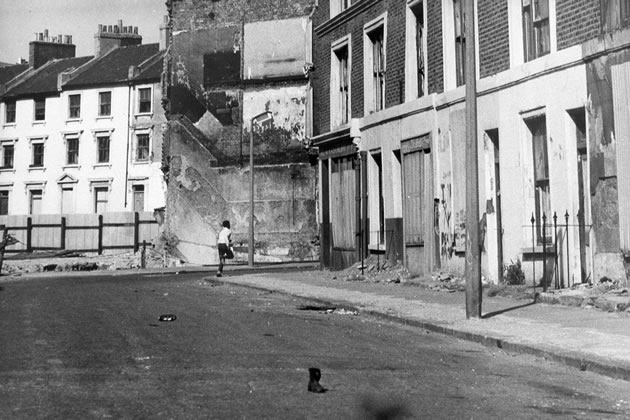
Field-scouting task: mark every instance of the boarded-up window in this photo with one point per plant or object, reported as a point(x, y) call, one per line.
point(221, 67)
point(343, 202)
point(413, 165)
point(538, 129)
point(615, 14)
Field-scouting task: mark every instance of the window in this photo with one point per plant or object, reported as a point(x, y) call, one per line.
point(142, 147)
point(40, 109)
point(7, 156)
point(415, 47)
point(72, 151)
point(101, 196)
point(375, 198)
point(537, 127)
point(338, 6)
point(35, 202)
point(460, 42)
point(138, 198)
point(340, 86)
point(9, 112)
point(103, 149)
point(375, 64)
point(38, 155)
point(4, 203)
point(144, 100)
point(104, 104)
point(536, 41)
point(74, 103)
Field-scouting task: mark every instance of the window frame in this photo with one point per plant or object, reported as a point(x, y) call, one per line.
point(538, 136)
point(374, 74)
point(99, 156)
point(341, 82)
point(5, 144)
point(338, 6)
point(74, 106)
point(141, 102)
point(10, 108)
point(101, 104)
point(416, 59)
point(100, 188)
point(35, 144)
point(533, 27)
point(72, 140)
point(39, 109)
point(137, 158)
point(5, 197)
point(459, 41)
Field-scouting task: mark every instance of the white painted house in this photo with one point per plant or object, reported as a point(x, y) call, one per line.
point(84, 135)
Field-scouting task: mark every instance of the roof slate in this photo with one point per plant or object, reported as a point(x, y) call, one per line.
point(9, 72)
point(113, 67)
point(44, 80)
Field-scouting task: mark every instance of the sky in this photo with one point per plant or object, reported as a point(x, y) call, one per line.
point(21, 19)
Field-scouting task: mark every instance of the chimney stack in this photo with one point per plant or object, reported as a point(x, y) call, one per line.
point(45, 48)
point(165, 34)
point(114, 36)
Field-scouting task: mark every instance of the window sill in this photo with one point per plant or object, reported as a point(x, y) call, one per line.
point(36, 169)
point(39, 122)
point(8, 125)
point(12, 170)
point(376, 247)
point(144, 114)
point(141, 162)
point(104, 117)
point(74, 120)
point(71, 166)
point(103, 165)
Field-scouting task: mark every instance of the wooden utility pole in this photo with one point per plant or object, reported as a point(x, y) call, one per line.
point(473, 252)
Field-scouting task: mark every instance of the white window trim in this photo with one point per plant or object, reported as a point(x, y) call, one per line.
point(98, 105)
point(368, 60)
point(71, 135)
point(135, 146)
point(100, 182)
point(7, 142)
point(335, 7)
point(515, 25)
point(411, 71)
point(95, 135)
point(80, 117)
point(137, 101)
point(38, 122)
point(335, 118)
point(36, 140)
point(3, 115)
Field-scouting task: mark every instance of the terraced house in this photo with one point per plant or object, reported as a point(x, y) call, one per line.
point(552, 91)
point(84, 134)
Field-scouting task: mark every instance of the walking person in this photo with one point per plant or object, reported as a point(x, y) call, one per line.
point(224, 245)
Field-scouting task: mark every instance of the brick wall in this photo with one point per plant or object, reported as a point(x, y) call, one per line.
point(435, 76)
point(395, 70)
point(494, 37)
point(577, 21)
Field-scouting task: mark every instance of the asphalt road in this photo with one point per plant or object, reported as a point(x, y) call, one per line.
point(94, 347)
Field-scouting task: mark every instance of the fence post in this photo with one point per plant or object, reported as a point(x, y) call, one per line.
point(566, 218)
point(533, 254)
point(100, 234)
point(62, 236)
point(29, 234)
point(143, 261)
point(555, 249)
point(136, 231)
point(544, 246)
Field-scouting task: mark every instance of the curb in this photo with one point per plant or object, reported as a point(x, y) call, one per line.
point(570, 359)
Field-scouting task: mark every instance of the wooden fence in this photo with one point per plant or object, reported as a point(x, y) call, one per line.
point(80, 232)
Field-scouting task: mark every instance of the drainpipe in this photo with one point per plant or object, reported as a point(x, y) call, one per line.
point(129, 110)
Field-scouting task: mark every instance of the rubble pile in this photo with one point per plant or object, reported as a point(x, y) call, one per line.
point(375, 270)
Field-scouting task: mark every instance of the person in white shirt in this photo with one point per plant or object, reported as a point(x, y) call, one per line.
point(224, 245)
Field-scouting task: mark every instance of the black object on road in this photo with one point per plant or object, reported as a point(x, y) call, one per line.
point(313, 383)
point(169, 317)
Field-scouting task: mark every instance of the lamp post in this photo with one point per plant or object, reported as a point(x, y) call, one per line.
point(258, 119)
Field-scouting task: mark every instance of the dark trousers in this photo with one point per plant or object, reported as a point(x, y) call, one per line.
point(224, 253)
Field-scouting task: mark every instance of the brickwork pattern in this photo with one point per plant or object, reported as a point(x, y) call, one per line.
point(577, 21)
point(494, 37)
point(435, 73)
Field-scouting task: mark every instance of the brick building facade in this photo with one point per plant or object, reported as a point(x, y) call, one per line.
point(551, 81)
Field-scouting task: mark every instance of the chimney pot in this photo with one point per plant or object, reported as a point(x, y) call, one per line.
point(135, 30)
point(100, 27)
point(109, 28)
point(46, 35)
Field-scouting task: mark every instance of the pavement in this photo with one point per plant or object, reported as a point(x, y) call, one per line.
point(585, 337)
